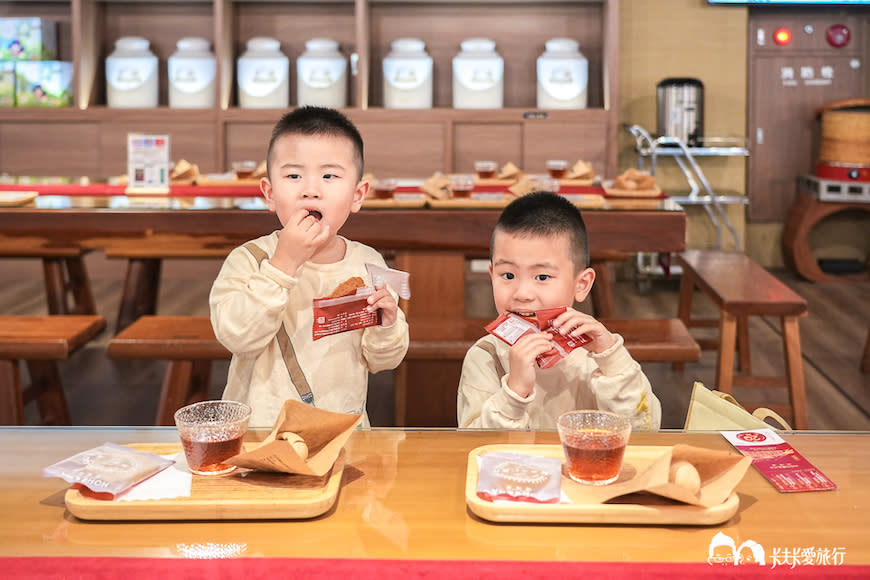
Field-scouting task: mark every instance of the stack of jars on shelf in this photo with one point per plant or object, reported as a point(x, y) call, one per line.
point(263, 75)
point(29, 77)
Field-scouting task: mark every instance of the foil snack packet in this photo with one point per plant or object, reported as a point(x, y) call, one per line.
point(341, 312)
point(108, 469)
point(509, 327)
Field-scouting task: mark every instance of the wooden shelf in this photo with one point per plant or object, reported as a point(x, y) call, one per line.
point(398, 142)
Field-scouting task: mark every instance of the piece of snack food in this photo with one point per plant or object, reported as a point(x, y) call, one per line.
point(295, 441)
point(685, 475)
point(634, 179)
point(437, 186)
point(347, 288)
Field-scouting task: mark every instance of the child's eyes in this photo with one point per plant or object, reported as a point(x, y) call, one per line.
point(542, 277)
point(508, 275)
point(294, 176)
point(329, 176)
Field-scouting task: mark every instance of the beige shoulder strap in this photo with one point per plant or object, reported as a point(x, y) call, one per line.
point(490, 348)
point(285, 344)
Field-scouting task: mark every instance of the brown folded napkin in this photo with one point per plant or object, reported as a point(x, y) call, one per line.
point(524, 186)
point(509, 171)
point(684, 473)
point(184, 172)
point(322, 435)
point(259, 171)
point(633, 179)
point(580, 170)
point(437, 186)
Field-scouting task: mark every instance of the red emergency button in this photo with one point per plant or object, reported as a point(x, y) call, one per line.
point(782, 36)
point(838, 35)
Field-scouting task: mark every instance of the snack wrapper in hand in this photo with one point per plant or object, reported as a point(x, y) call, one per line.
point(108, 469)
point(333, 315)
point(397, 280)
point(510, 327)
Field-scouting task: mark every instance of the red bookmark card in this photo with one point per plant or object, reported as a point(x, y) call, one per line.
point(778, 461)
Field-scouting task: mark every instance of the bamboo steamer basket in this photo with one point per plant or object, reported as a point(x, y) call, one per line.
point(845, 132)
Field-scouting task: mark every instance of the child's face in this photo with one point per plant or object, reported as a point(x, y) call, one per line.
point(316, 173)
point(532, 273)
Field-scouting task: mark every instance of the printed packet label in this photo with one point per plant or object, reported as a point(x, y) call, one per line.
point(779, 462)
point(336, 315)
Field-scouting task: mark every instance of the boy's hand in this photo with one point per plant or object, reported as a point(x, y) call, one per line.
point(522, 360)
point(301, 237)
point(573, 323)
point(383, 300)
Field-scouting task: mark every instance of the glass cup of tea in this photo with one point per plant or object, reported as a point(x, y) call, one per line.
point(385, 188)
point(485, 169)
point(244, 169)
point(557, 168)
point(461, 185)
point(211, 432)
point(594, 444)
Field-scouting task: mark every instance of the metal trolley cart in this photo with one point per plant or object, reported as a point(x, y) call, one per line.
point(700, 191)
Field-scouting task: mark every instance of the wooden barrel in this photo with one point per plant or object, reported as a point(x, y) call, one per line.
point(845, 135)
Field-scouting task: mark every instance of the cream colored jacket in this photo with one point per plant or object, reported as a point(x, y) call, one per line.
point(610, 381)
point(250, 301)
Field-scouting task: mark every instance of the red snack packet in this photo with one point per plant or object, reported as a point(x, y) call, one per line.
point(509, 327)
point(335, 315)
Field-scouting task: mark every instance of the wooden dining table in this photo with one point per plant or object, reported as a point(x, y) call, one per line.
point(402, 500)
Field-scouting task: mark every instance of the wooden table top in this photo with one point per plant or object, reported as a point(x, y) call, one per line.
point(403, 498)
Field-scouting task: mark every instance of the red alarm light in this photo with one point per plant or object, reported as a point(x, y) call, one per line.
point(782, 36)
point(838, 36)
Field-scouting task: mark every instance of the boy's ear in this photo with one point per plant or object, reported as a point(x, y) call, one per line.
point(359, 194)
point(266, 190)
point(583, 284)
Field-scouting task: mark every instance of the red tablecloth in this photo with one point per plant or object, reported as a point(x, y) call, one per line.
point(275, 568)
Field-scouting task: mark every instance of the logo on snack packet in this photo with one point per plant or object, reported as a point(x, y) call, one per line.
point(723, 550)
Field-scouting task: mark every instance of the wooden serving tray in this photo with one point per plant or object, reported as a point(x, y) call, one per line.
point(639, 193)
point(205, 181)
point(587, 506)
point(240, 495)
point(15, 198)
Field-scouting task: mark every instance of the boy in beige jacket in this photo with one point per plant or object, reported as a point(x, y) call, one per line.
point(539, 258)
point(261, 301)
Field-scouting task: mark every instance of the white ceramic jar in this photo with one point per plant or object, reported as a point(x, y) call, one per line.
point(478, 76)
point(408, 75)
point(192, 75)
point(321, 75)
point(263, 73)
point(131, 74)
point(563, 75)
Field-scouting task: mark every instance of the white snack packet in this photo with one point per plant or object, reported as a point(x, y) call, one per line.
point(395, 279)
point(109, 468)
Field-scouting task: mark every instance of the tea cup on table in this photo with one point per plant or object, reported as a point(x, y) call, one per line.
point(485, 169)
point(211, 432)
point(462, 185)
point(594, 444)
point(385, 188)
point(244, 169)
point(557, 168)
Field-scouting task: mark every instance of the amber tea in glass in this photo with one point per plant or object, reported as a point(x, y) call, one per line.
point(211, 432)
point(594, 443)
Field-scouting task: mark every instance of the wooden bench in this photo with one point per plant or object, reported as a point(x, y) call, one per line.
point(39, 341)
point(648, 340)
point(741, 288)
point(187, 342)
point(67, 287)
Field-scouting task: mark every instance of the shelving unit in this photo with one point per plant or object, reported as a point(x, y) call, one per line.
point(88, 138)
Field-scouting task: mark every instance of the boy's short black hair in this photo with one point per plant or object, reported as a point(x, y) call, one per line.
point(320, 121)
point(546, 215)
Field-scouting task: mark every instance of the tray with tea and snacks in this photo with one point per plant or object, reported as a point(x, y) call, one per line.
point(657, 485)
point(242, 494)
point(633, 183)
